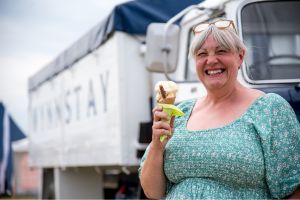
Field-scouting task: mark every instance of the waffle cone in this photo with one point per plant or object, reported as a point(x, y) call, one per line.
point(168, 100)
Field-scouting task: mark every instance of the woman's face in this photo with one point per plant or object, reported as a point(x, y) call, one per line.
point(217, 67)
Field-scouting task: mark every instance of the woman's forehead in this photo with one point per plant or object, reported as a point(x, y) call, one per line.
point(216, 43)
point(210, 42)
point(205, 48)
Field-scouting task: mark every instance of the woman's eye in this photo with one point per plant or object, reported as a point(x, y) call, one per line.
point(201, 54)
point(220, 51)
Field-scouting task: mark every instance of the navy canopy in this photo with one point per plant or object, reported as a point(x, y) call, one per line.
point(135, 16)
point(9, 132)
point(132, 17)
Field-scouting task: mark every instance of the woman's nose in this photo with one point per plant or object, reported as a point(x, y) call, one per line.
point(211, 59)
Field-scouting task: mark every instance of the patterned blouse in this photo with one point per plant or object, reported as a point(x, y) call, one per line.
point(257, 156)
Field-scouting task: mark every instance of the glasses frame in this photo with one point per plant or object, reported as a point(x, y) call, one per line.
point(231, 23)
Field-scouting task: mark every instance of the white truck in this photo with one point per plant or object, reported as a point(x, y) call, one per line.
point(90, 109)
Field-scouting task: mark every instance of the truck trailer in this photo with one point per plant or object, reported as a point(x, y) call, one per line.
point(90, 109)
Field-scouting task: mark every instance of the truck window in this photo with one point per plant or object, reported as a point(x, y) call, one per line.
point(271, 32)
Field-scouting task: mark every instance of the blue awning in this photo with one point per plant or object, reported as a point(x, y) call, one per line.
point(9, 132)
point(135, 16)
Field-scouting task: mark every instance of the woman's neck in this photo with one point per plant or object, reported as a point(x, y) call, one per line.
point(223, 95)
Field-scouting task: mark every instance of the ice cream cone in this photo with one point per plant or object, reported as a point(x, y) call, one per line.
point(165, 97)
point(168, 100)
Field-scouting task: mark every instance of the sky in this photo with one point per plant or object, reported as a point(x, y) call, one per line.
point(35, 32)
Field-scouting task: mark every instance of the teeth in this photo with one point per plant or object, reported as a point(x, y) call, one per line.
point(212, 72)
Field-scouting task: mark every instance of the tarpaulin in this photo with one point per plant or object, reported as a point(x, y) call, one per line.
point(9, 132)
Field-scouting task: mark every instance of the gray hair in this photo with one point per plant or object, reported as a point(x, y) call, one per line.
point(227, 38)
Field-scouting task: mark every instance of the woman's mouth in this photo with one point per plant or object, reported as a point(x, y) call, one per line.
point(213, 72)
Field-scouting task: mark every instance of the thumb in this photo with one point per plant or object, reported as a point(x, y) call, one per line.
point(172, 122)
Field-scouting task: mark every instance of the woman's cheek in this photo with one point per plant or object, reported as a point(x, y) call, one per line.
point(199, 65)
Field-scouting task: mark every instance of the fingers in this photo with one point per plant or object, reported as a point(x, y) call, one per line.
point(161, 125)
point(160, 128)
point(160, 132)
point(157, 108)
point(159, 115)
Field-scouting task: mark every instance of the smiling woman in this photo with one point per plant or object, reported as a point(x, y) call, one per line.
point(233, 143)
point(218, 58)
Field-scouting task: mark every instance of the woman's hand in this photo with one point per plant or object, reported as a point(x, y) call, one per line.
point(152, 176)
point(161, 127)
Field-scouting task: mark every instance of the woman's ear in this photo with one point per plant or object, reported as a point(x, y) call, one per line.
point(242, 54)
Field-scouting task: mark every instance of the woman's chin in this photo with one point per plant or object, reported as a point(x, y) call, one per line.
point(215, 85)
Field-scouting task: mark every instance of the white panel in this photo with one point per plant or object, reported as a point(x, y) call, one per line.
point(74, 117)
point(135, 95)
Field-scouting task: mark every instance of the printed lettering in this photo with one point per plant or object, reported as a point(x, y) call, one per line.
point(68, 108)
point(77, 99)
point(104, 86)
point(91, 99)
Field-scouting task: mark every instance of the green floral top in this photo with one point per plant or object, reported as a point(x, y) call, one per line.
point(256, 156)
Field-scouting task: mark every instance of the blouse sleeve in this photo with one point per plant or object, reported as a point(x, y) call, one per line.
point(280, 134)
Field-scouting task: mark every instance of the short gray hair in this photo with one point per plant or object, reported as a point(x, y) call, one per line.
point(227, 38)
